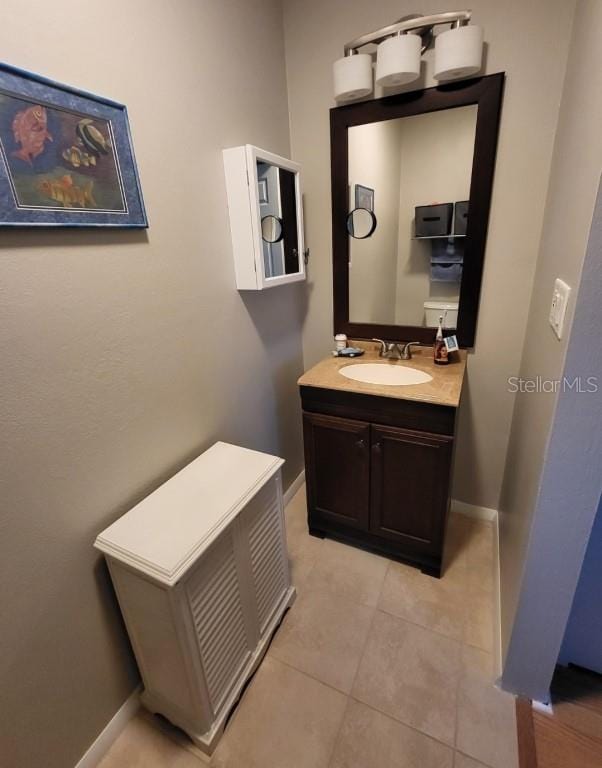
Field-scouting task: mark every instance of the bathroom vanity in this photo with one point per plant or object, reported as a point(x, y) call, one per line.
point(378, 457)
point(411, 177)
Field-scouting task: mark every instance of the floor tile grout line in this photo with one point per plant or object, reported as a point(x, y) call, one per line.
point(342, 598)
point(458, 684)
point(363, 651)
point(350, 695)
point(338, 734)
point(435, 631)
point(390, 563)
point(307, 674)
point(421, 626)
point(402, 722)
point(465, 566)
point(474, 759)
point(382, 584)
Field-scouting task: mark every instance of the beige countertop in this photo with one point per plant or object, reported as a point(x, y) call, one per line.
point(444, 389)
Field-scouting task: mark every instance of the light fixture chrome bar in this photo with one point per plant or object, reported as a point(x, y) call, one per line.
point(450, 17)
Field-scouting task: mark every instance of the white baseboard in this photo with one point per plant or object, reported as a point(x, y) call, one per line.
point(111, 731)
point(497, 599)
point(294, 487)
point(543, 706)
point(471, 510)
point(489, 515)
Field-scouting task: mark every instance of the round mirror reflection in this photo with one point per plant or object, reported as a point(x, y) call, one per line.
point(271, 229)
point(361, 223)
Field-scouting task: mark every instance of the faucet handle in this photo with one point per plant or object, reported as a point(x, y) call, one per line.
point(383, 347)
point(406, 352)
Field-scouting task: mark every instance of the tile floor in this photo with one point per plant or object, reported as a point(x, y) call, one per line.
point(375, 666)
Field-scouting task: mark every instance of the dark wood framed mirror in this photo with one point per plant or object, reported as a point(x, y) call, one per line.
point(432, 147)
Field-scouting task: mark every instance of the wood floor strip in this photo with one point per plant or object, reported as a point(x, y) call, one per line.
point(559, 746)
point(527, 753)
point(580, 718)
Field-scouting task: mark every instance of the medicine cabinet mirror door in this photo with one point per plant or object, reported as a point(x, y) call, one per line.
point(411, 189)
point(275, 195)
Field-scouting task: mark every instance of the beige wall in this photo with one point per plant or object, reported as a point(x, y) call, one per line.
point(529, 41)
point(435, 156)
point(574, 183)
point(373, 261)
point(126, 354)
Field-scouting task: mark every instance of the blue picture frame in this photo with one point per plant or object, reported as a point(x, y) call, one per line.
point(66, 157)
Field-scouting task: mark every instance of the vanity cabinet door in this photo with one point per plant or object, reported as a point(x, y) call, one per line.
point(410, 474)
point(337, 460)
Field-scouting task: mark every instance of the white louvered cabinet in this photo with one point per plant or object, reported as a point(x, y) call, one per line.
point(201, 573)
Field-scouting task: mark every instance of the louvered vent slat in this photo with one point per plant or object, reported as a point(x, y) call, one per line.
point(224, 597)
point(269, 589)
point(265, 544)
point(214, 583)
point(219, 620)
point(216, 664)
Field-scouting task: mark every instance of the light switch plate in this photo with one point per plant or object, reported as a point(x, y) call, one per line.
point(560, 300)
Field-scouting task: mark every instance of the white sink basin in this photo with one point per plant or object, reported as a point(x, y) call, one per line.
point(385, 373)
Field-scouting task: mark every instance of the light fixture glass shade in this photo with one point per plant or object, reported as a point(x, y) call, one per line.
point(398, 60)
point(352, 77)
point(458, 53)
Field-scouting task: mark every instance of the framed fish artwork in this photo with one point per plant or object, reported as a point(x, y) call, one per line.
point(66, 157)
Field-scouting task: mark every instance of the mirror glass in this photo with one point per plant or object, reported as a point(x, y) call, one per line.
point(361, 223)
point(414, 172)
point(276, 191)
point(271, 229)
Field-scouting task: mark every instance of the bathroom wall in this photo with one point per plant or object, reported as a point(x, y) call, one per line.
point(582, 643)
point(373, 271)
point(563, 514)
point(126, 354)
point(570, 203)
point(529, 41)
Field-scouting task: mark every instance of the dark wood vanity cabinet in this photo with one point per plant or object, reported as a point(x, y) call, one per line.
point(376, 480)
point(337, 469)
point(409, 486)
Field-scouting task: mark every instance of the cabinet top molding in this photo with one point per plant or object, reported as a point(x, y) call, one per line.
point(166, 532)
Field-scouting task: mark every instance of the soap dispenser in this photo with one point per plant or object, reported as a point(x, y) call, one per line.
point(439, 348)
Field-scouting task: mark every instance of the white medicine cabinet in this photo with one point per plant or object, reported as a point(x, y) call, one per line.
point(266, 217)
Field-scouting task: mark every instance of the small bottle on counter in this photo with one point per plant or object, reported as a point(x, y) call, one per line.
point(439, 349)
point(340, 341)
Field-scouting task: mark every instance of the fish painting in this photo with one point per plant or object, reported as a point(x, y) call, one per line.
point(30, 131)
point(68, 194)
point(57, 158)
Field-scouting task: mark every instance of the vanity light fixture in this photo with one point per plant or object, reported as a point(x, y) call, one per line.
point(458, 53)
point(398, 60)
point(353, 76)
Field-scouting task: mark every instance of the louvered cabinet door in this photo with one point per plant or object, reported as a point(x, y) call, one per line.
point(262, 526)
point(218, 618)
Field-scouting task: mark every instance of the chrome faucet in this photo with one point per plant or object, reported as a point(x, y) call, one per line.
point(389, 349)
point(406, 351)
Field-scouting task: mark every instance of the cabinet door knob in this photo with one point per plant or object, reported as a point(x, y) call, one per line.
point(361, 444)
point(376, 447)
